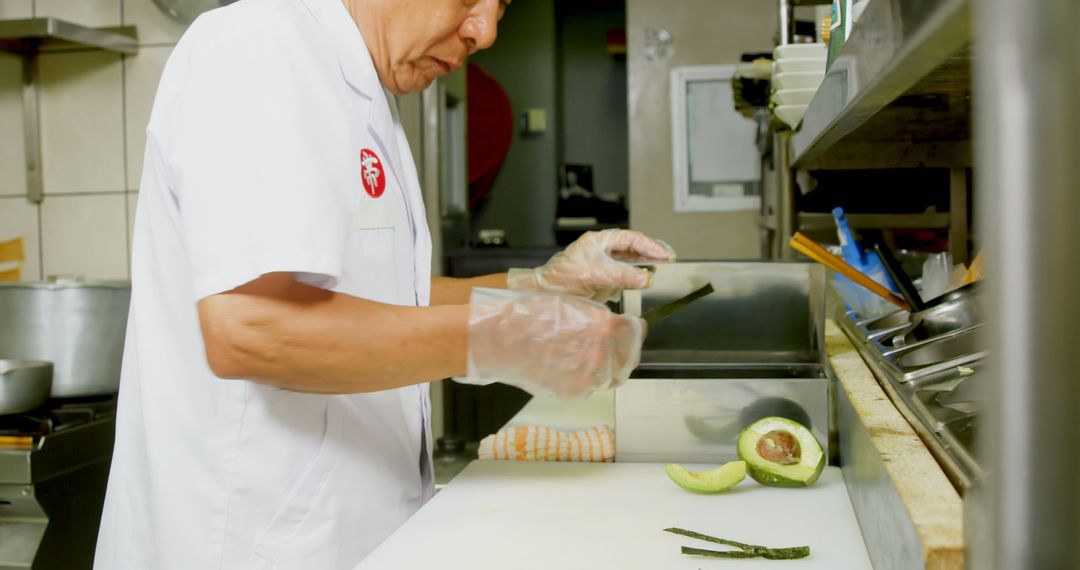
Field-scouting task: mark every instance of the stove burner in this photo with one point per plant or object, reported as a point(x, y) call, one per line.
point(58, 415)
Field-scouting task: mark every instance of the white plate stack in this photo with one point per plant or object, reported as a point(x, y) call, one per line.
point(798, 70)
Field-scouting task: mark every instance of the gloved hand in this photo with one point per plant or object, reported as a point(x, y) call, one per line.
point(591, 267)
point(549, 344)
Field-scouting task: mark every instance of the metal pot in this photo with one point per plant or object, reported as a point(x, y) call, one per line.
point(24, 385)
point(77, 325)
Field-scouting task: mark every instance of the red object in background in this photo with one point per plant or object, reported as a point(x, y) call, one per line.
point(491, 128)
point(616, 42)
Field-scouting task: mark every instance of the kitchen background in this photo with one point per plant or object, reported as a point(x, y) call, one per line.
point(550, 55)
point(94, 110)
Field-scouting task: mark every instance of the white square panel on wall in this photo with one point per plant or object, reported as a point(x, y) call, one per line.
point(154, 26)
point(141, 77)
point(12, 151)
point(19, 219)
point(16, 9)
point(85, 12)
point(82, 129)
point(85, 235)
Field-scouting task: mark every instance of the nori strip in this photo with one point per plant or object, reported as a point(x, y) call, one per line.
point(718, 554)
point(748, 550)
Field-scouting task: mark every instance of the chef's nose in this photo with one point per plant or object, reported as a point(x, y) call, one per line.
point(481, 25)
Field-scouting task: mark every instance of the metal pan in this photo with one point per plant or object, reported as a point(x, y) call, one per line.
point(24, 385)
point(955, 310)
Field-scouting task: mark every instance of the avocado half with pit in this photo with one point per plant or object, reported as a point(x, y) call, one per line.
point(781, 453)
point(715, 481)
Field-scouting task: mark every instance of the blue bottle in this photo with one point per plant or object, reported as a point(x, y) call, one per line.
point(865, 261)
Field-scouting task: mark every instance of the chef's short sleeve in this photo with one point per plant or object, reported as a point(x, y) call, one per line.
point(253, 148)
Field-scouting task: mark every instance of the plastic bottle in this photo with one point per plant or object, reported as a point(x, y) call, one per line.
point(867, 262)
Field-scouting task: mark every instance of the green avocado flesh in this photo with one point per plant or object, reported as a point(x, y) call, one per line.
point(781, 453)
point(715, 481)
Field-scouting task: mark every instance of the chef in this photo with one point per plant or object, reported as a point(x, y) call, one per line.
point(273, 406)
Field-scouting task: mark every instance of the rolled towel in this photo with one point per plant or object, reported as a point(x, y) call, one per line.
point(533, 443)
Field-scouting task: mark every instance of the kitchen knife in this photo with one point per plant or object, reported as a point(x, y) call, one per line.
point(657, 314)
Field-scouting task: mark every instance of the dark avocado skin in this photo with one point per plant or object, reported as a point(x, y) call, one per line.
point(779, 407)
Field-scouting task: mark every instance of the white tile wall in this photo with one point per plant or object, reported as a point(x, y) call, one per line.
point(94, 109)
point(141, 75)
point(19, 218)
point(16, 9)
point(132, 201)
point(85, 12)
point(153, 25)
point(12, 162)
point(82, 122)
point(85, 235)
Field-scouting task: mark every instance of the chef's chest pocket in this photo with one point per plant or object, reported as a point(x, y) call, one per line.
point(372, 267)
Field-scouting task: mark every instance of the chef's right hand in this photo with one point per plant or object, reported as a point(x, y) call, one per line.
point(548, 343)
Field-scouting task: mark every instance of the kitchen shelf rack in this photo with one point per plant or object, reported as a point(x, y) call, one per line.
point(26, 39)
point(898, 94)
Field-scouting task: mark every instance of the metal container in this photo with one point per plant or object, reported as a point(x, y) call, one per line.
point(754, 347)
point(668, 414)
point(759, 313)
point(957, 309)
point(24, 385)
point(77, 325)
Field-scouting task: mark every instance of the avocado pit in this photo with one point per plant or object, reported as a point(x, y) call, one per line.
point(780, 446)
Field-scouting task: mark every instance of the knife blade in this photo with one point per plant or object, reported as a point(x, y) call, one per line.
point(657, 314)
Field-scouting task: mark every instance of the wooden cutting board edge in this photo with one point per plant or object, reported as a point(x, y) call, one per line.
point(935, 507)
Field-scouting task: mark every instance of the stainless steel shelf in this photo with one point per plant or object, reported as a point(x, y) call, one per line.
point(812, 221)
point(26, 37)
point(898, 94)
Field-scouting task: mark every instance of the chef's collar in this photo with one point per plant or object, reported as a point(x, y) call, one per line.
point(353, 56)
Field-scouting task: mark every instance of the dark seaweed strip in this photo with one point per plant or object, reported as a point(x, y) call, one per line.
point(705, 537)
point(718, 554)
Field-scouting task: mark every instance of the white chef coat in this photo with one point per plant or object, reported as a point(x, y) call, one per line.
point(253, 165)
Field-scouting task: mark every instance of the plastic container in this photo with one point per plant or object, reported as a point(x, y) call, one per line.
point(793, 96)
point(800, 51)
point(798, 80)
point(799, 65)
point(865, 261)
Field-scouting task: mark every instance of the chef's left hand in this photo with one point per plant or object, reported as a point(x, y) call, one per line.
point(593, 266)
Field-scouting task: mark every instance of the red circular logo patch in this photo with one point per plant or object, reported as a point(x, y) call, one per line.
point(371, 173)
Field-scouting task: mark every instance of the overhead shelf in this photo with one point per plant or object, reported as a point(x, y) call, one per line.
point(26, 37)
point(898, 94)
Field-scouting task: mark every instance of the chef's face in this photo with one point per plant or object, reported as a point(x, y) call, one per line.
point(416, 41)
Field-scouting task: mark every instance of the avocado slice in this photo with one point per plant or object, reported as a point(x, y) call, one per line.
point(781, 453)
point(715, 481)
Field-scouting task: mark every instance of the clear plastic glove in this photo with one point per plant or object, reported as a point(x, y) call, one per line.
point(592, 266)
point(549, 344)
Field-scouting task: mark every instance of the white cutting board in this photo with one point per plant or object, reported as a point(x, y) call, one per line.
point(510, 515)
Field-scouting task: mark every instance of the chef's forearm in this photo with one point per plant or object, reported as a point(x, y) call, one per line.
point(297, 337)
point(452, 291)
